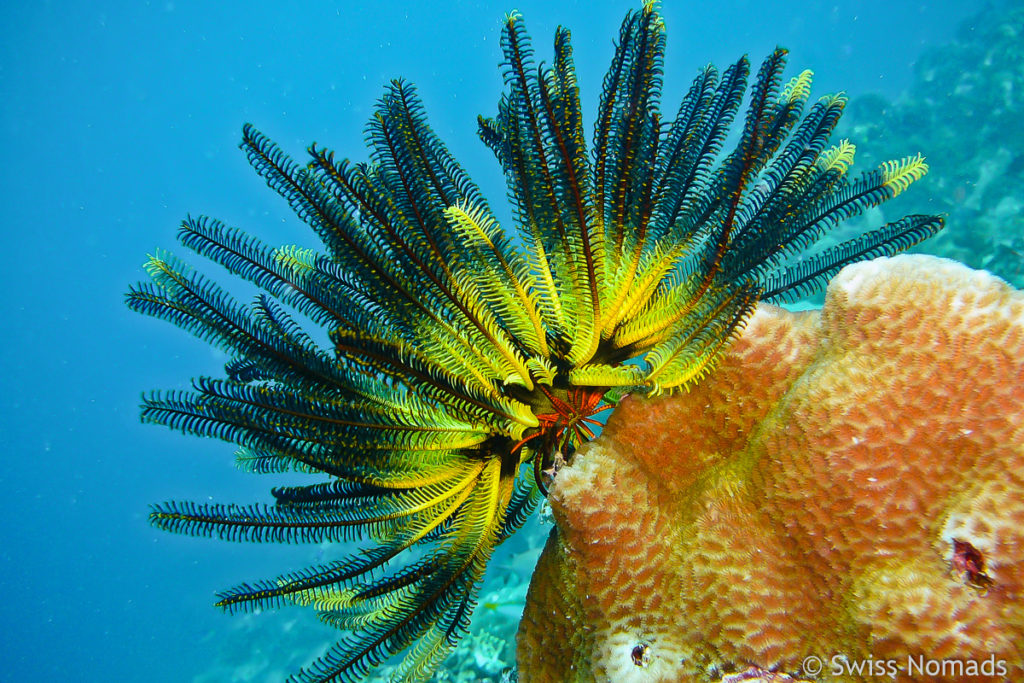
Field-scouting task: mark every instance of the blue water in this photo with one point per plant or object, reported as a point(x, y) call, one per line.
point(117, 120)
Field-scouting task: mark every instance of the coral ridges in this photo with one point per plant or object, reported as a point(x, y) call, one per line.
point(846, 484)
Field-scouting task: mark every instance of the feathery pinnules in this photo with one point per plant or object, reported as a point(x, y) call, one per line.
point(461, 356)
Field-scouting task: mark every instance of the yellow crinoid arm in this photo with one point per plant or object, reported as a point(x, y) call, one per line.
point(600, 375)
point(838, 158)
point(691, 351)
point(898, 175)
point(641, 292)
point(798, 89)
point(512, 297)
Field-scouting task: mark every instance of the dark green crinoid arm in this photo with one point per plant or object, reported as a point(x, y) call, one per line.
point(658, 241)
point(405, 413)
point(428, 368)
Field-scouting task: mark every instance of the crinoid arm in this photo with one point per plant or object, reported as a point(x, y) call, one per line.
point(430, 369)
point(662, 240)
point(405, 415)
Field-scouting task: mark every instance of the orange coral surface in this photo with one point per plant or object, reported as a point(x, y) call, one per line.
point(848, 485)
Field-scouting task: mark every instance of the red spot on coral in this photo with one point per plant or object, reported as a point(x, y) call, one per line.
point(968, 561)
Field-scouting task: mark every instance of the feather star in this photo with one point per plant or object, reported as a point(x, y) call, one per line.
point(465, 362)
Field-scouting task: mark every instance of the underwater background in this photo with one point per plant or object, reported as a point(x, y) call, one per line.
point(118, 120)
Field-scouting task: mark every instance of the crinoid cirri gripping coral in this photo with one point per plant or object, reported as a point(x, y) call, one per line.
point(842, 500)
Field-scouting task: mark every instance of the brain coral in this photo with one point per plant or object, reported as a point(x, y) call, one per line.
point(847, 485)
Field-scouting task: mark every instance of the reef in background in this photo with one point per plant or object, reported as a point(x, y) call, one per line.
point(965, 108)
point(849, 482)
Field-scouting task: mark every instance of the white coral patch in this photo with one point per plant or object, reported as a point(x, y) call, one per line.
point(634, 656)
point(850, 278)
